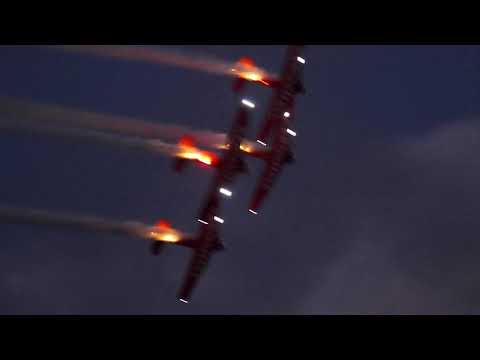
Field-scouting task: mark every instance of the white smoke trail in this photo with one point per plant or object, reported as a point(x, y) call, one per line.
point(152, 146)
point(49, 116)
point(10, 215)
point(163, 56)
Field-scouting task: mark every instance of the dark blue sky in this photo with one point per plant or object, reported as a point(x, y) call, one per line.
point(379, 215)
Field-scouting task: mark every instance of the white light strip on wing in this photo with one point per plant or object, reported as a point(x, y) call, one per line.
point(248, 103)
point(291, 132)
point(219, 220)
point(225, 192)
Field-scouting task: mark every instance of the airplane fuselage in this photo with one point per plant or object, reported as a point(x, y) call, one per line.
point(279, 153)
point(208, 243)
point(229, 164)
point(284, 97)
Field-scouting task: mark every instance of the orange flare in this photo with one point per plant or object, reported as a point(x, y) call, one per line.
point(164, 224)
point(186, 141)
point(247, 70)
point(246, 62)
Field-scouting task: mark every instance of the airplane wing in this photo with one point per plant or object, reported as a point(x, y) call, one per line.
point(268, 178)
point(196, 268)
point(288, 86)
point(208, 242)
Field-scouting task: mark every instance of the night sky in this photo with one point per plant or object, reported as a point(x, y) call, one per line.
point(378, 216)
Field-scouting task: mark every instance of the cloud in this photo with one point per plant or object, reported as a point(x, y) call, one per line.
point(414, 243)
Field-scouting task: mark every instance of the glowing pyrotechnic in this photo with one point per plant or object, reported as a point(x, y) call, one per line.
point(246, 69)
point(163, 232)
point(187, 150)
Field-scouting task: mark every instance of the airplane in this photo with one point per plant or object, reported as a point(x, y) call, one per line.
point(229, 166)
point(207, 241)
point(206, 244)
point(277, 125)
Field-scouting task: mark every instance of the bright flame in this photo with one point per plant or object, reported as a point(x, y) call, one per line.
point(247, 70)
point(190, 152)
point(286, 114)
point(164, 225)
point(163, 231)
point(252, 76)
point(225, 192)
point(244, 147)
point(170, 236)
point(205, 158)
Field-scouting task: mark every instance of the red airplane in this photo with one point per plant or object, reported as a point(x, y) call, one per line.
point(203, 245)
point(207, 241)
point(277, 125)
